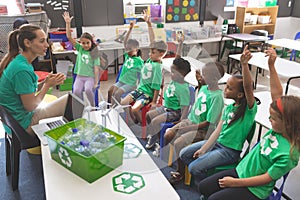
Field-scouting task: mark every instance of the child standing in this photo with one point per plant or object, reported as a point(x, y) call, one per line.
point(131, 69)
point(205, 114)
point(151, 77)
point(226, 142)
point(176, 99)
point(87, 68)
point(276, 154)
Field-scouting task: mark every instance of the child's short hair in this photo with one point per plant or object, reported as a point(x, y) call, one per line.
point(183, 66)
point(160, 45)
point(213, 66)
point(133, 43)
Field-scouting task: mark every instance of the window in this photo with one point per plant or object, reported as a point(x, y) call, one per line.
point(14, 7)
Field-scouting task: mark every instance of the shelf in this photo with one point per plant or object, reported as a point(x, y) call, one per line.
point(257, 25)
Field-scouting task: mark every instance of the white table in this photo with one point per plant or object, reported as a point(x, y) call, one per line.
point(286, 43)
point(62, 184)
point(195, 64)
point(283, 67)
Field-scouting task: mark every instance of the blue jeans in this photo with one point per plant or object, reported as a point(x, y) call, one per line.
point(219, 155)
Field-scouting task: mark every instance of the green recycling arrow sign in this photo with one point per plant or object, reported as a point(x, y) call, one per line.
point(128, 183)
point(131, 151)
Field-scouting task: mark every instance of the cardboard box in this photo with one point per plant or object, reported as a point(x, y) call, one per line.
point(90, 168)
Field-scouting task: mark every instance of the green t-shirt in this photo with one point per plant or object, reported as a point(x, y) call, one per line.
point(207, 107)
point(151, 77)
point(84, 62)
point(18, 78)
point(131, 68)
point(177, 95)
point(271, 155)
point(234, 136)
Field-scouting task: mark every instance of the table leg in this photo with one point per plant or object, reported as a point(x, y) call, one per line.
point(288, 83)
point(256, 75)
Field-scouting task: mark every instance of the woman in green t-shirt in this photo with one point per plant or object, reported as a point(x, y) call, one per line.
point(276, 154)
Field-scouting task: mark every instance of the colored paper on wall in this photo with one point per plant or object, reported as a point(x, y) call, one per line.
point(182, 11)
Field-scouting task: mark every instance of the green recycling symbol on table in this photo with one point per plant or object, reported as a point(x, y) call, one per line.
point(128, 183)
point(131, 151)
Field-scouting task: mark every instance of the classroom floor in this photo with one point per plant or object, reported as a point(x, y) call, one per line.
point(263, 85)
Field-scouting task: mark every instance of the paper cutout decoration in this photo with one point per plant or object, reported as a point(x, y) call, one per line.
point(182, 11)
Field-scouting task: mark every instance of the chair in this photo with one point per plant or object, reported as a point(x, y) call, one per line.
point(294, 52)
point(164, 126)
point(18, 140)
point(279, 192)
point(171, 50)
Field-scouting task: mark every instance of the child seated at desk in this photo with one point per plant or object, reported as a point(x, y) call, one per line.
point(204, 115)
point(151, 78)
point(131, 69)
point(176, 99)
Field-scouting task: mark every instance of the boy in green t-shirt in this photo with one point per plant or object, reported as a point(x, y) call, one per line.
point(131, 69)
point(204, 115)
point(151, 78)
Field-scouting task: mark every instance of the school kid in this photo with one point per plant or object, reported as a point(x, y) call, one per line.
point(225, 144)
point(276, 154)
point(131, 69)
point(203, 117)
point(151, 77)
point(176, 99)
point(87, 68)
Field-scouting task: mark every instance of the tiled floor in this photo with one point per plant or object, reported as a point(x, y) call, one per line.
point(263, 85)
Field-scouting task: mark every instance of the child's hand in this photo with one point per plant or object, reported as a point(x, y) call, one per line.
point(67, 17)
point(272, 56)
point(246, 56)
point(227, 181)
point(199, 153)
point(180, 37)
point(146, 16)
point(152, 105)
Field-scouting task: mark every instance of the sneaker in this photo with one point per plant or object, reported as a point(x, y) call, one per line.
point(151, 141)
point(156, 151)
point(175, 178)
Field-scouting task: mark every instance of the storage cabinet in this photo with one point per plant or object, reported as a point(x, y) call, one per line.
point(248, 28)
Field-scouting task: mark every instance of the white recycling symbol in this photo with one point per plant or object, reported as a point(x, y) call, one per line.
point(64, 157)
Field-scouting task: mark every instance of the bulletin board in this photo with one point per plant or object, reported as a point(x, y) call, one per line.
point(182, 10)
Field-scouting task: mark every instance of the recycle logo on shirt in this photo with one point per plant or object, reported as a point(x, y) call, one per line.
point(128, 183)
point(64, 157)
point(131, 151)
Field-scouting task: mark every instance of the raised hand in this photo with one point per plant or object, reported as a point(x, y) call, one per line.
point(246, 56)
point(131, 25)
point(146, 16)
point(67, 17)
point(272, 56)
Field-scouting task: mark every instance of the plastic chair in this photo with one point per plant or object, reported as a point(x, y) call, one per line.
point(14, 143)
point(171, 50)
point(96, 91)
point(164, 126)
point(294, 52)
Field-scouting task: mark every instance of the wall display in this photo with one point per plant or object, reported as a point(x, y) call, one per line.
point(182, 11)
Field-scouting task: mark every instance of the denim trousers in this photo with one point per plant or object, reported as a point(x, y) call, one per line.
point(219, 155)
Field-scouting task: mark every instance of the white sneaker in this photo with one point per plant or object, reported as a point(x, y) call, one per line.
point(156, 151)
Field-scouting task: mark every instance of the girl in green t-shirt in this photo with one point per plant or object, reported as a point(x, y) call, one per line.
point(130, 70)
point(225, 144)
point(276, 154)
point(87, 68)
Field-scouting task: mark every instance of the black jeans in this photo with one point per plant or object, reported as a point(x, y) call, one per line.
point(210, 188)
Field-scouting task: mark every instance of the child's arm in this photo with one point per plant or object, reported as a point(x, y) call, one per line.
point(228, 181)
point(211, 140)
point(154, 99)
point(131, 25)
point(275, 84)
point(247, 79)
point(180, 46)
point(184, 112)
point(68, 20)
point(150, 29)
